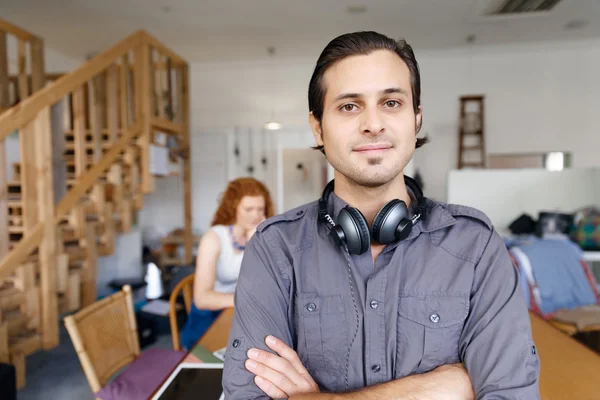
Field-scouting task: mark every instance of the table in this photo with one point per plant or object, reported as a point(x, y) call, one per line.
point(214, 338)
point(569, 370)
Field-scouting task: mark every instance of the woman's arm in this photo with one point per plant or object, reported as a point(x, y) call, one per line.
point(205, 298)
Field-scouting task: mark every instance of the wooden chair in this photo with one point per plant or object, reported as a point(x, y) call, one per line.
point(186, 286)
point(105, 337)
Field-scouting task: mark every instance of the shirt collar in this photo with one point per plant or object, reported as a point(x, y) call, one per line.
point(437, 216)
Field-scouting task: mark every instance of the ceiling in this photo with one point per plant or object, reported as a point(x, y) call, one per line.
point(243, 30)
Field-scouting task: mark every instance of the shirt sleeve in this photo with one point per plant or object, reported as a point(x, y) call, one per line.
point(261, 308)
point(496, 346)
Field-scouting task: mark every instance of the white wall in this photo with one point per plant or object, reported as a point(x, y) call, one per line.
point(506, 194)
point(302, 185)
point(541, 97)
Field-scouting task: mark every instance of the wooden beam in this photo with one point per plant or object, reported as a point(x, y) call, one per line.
point(187, 170)
point(24, 112)
point(143, 96)
point(22, 34)
point(47, 252)
point(38, 76)
point(112, 103)
point(22, 67)
point(88, 276)
point(4, 104)
point(167, 126)
point(27, 139)
point(4, 79)
point(157, 72)
point(125, 117)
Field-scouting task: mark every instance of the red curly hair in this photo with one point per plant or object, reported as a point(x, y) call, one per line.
point(236, 189)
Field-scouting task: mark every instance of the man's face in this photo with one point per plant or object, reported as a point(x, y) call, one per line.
point(368, 126)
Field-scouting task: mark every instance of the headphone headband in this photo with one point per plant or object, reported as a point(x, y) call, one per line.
point(410, 182)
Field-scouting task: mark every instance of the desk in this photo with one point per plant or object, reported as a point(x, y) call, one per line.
point(569, 369)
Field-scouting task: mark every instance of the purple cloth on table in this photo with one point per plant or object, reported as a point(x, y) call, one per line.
point(143, 376)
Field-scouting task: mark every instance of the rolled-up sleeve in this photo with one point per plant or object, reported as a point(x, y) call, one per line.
point(261, 308)
point(496, 346)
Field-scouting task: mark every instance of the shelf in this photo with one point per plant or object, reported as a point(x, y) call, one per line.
point(591, 255)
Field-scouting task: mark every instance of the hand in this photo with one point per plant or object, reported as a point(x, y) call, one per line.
point(279, 375)
point(454, 380)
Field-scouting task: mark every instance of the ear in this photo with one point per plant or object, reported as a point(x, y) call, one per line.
point(316, 128)
point(418, 119)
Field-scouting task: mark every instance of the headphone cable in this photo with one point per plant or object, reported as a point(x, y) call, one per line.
point(350, 279)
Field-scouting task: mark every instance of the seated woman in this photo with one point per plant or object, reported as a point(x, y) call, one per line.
point(244, 205)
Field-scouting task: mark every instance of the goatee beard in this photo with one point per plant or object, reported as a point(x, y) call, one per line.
point(375, 161)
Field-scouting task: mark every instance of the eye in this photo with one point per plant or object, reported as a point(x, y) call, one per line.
point(392, 103)
point(348, 107)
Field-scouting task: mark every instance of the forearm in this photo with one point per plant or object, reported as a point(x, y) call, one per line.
point(213, 300)
point(415, 387)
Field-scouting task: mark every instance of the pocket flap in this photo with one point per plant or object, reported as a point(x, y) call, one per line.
point(310, 304)
point(434, 310)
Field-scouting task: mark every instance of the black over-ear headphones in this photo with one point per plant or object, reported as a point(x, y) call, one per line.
point(391, 223)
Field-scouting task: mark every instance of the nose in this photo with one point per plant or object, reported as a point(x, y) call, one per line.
point(371, 123)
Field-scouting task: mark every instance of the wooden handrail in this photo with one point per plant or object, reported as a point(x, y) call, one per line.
point(15, 30)
point(32, 239)
point(19, 115)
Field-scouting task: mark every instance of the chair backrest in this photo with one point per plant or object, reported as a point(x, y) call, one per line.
point(105, 336)
point(186, 285)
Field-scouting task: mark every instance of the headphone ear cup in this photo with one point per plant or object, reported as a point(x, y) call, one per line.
point(386, 225)
point(356, 230)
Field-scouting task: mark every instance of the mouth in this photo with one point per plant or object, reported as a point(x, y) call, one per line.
point(371, 149)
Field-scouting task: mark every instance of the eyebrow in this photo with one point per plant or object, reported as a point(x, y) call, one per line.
point(356, 95)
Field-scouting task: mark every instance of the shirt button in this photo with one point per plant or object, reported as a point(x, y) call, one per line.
point(235, 343)
point(374, 304)
point(434, 318)
point(311, 307)
point(376, 368)
point(300, 213)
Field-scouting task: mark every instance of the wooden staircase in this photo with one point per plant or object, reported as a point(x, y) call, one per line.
point(85, 141)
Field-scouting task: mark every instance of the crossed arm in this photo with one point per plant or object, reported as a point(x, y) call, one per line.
point(282, 375)
point(496, 345)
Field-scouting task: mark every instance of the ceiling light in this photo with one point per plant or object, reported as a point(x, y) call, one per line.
point(272, 125)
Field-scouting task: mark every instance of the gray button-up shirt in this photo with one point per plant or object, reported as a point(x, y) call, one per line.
point(448, 293)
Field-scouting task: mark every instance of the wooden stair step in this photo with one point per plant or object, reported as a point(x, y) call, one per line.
point(16, 321)
point(88, 146)
point(26, 342)
point(15, 201)
point(11, 297)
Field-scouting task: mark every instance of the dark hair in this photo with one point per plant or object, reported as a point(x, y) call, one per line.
point(361, 43)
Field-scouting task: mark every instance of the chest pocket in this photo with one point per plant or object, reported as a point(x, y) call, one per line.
point(322, 337)
point(429, 329)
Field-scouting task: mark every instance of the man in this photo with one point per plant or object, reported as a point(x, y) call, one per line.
point(375, 292)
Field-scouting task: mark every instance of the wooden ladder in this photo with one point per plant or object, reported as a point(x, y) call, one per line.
point(471, 137)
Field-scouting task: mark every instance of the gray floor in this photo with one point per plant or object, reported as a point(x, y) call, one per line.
point(57, 373)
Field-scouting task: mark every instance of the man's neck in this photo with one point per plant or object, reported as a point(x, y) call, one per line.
point(369, 200)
